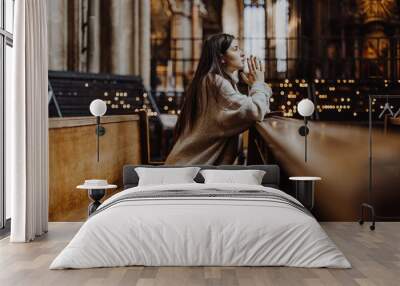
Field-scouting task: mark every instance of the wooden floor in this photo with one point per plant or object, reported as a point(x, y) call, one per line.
point(375, 257)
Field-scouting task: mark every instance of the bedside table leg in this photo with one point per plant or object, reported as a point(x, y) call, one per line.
point(305, 193)
point(95, 196)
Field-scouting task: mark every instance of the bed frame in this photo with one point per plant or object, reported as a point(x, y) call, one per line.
point(270, 179)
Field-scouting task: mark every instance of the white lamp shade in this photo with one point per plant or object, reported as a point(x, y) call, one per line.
point(305, 107)
point(98, 107)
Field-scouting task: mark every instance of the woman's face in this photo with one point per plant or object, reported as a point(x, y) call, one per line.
point(233, 59)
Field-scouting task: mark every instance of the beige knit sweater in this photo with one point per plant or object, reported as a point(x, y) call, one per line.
point(213, 140)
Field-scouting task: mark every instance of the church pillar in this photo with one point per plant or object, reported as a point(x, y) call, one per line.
point(121, 37)
point(145, 45)
point(181, 44)
point(197, 32)
point(57, 34)
point(231, 18)
point(94, 37)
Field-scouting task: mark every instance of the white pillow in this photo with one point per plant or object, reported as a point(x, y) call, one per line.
point(164, 176)
point(248, 177)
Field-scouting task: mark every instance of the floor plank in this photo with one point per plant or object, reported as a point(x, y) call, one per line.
point(375, 257)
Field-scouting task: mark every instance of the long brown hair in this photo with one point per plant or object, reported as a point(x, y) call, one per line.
point(210, 63)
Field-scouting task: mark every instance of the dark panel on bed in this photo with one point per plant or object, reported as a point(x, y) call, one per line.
point(270, 179)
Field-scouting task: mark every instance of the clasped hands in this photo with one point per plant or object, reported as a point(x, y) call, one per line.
point(256, 71)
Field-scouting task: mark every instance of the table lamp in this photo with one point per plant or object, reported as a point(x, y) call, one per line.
point(305, 108)
point(98, 108)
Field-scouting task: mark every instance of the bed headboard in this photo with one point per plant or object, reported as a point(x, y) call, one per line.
point(270, 179)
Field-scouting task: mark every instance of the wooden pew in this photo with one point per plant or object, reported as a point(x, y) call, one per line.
point(73, 158)
point(339, 154)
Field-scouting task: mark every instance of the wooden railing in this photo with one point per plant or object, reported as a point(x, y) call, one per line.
point(338, 153)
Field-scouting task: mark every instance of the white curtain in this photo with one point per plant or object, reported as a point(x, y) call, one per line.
point(27, 124)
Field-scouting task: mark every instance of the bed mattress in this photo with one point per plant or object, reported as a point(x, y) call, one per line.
point(201, 225)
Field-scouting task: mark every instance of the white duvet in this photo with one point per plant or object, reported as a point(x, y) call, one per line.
point(200, 231)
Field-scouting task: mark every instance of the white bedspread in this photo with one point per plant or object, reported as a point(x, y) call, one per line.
point(200, 231)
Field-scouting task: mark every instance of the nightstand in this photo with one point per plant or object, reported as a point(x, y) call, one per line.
point(96, 190)
point(304, 190)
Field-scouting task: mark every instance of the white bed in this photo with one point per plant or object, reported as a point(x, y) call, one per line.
point(185, 230)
